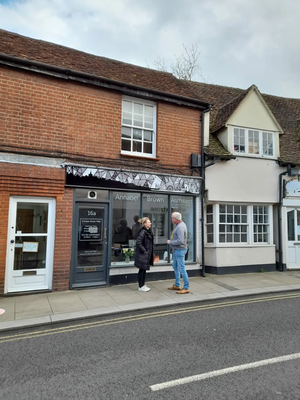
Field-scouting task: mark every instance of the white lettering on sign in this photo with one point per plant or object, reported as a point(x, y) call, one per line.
point(181, 201)
point(128, 197)
point(156, 199)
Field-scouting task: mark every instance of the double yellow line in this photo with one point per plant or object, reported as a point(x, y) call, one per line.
point(162, 313)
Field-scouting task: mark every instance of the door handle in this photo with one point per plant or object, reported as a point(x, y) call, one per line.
point(12, 241)
point(105, 233)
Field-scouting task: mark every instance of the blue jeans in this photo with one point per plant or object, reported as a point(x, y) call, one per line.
point(179, 267)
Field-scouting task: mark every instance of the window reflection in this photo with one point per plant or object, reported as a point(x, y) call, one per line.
point(155, 206)
point(185, 206)
point(125, 213)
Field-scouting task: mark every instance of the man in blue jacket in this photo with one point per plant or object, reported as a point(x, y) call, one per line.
point(179, 246)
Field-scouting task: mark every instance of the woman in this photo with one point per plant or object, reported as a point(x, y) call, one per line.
point(144, 252)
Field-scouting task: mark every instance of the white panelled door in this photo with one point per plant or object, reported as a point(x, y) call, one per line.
point(293, 238)
point(30, 244)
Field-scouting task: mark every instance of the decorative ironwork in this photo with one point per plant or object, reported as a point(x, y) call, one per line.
point(159, 182)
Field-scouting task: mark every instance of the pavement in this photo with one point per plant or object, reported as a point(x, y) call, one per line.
point(53, 307)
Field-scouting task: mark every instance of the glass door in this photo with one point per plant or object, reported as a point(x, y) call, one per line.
point(89, 255)
point(293, 238)
point(30, 244)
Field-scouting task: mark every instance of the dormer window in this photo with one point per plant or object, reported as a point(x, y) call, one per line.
point(253, 142)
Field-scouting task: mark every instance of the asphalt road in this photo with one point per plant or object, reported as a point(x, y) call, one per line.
point(243, 348)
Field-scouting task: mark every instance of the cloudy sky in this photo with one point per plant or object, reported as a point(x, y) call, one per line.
point(241, 42)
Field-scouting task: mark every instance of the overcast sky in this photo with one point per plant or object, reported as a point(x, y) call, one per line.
point(242, 42)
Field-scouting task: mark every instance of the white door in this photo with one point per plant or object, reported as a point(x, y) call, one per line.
point(293, 238)
point(30, 244)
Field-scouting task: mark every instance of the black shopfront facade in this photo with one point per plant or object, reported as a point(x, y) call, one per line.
point(107, 204)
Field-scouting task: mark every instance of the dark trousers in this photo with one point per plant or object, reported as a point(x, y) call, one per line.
point(141, 277)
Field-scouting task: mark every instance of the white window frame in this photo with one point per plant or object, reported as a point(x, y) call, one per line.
point(261, 135)
point(251, 223)
point(142, 127)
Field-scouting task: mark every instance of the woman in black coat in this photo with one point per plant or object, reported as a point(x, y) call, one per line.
point(144, 252)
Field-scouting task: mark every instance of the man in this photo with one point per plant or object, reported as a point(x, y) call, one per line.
point(179, 246)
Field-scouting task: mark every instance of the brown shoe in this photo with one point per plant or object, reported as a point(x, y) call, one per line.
point(174, 288)
point(183, 291)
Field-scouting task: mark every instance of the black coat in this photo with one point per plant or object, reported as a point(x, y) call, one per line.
point(143, 256)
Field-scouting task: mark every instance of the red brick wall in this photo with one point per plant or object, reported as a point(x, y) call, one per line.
point(48, 114)
point(179, 134)
point(30, 180)
point(63, 238)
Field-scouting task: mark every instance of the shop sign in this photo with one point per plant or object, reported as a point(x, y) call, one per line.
point(90, 229)
point(292, 188)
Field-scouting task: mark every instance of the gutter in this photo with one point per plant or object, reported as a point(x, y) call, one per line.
point(84, 77)
point(279, 216)
point(203, 188)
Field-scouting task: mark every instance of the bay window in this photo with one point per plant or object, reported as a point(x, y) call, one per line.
point(238, 224)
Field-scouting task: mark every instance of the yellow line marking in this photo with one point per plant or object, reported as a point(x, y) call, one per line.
point(163, 313)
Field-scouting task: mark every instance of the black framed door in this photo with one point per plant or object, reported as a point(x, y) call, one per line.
point(89, 255)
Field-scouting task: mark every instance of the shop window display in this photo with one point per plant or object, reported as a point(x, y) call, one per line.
point(155, 206)
point(128, 207)
point(126, 210)
point(185, 206)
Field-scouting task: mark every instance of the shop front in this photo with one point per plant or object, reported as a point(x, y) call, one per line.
point(105, 222)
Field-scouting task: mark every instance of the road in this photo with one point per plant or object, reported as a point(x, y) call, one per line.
point(242, 348)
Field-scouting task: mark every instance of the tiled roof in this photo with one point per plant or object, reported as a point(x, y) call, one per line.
point(25, 48)
point(216, 148)
point(287, 113)
point(224, 102)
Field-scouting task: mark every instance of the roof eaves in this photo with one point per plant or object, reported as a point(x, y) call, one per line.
point(84, 77)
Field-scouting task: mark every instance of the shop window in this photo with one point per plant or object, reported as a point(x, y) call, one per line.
point(155, 206)
point(185, 206)
point(125, 213)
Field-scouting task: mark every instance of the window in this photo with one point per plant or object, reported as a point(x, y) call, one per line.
point(155, 206)
point(129, 207)
point(185, 206)
point(138, 127)
point(253, 142)
point(260, 224)
point(244, 224)
point(233, 225)
point(209, 224)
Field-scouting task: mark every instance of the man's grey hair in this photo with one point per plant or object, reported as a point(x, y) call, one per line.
point(177, 216)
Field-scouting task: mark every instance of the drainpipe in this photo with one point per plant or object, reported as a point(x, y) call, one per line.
point(203, 187)
point(281, 268)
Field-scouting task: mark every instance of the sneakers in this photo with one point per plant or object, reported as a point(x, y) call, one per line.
point(174, 288)
point(183, 291)
point(144, 289)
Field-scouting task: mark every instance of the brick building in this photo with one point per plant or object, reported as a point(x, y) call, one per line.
point(86, 145)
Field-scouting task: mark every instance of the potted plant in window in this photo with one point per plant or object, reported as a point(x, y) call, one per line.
point(128, 253)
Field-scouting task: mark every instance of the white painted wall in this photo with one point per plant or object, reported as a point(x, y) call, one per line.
point(239, 256)
point(253, 113)
point(206, 128)
point(244, 179)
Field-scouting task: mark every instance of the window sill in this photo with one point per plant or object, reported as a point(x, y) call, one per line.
point(256, 156)
point(139, 157)
point(237, 245)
